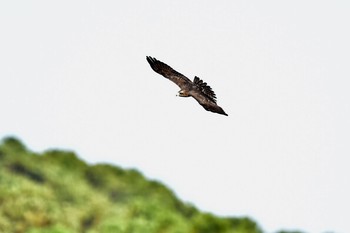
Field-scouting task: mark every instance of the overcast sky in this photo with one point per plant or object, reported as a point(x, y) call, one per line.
point(74, 76)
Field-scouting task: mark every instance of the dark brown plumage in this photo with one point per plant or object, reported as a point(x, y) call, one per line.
point(198, 89)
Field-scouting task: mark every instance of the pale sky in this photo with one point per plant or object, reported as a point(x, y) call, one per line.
point(74, 76)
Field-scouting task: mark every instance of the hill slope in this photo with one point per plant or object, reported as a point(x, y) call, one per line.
point(57, 192)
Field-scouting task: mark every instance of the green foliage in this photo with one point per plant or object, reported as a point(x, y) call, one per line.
point(56, 192)
point(14, 145)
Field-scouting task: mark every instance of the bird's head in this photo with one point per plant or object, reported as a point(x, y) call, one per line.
point(182, 93)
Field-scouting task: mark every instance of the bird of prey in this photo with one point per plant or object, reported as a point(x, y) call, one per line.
point(198, 89)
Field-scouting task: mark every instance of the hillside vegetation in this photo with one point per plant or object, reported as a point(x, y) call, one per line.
point(57, 192)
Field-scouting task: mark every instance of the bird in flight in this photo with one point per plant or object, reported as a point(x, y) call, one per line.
point(198, 89)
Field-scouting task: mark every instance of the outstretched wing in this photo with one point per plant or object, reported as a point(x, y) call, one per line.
point(205, 96)
point(207, 103)
point(168, 72)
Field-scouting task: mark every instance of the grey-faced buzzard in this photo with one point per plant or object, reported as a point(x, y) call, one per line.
point(197, 89)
